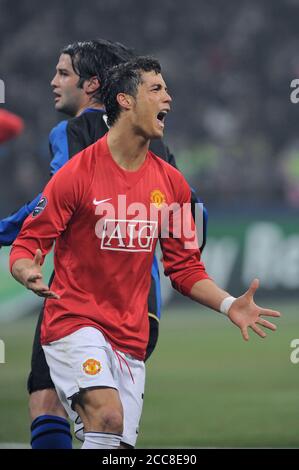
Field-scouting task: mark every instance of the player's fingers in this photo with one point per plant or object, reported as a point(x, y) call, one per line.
point(37, 285)
point(252, 288)
point(270, 313)
point(39, 293)
point(258, 331)
point(245, 334)
point(46, 293)
point(53, 295)
point(38, 257)
point(266, 324)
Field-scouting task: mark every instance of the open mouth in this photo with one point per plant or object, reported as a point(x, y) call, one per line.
point(161, 117)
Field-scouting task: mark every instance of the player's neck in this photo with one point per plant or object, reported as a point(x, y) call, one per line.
point(128, 150)
point(89, 105)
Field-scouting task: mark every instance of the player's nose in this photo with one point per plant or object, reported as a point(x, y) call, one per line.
point(53, 82)
point(167, 97)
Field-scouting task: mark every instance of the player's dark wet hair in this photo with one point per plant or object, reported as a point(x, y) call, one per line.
point(93, 58)
point(125, 78)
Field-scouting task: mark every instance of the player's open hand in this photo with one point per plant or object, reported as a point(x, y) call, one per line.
point(33, 278)
point(246, 314)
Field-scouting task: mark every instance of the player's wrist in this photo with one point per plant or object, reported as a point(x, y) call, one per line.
point(226, 304)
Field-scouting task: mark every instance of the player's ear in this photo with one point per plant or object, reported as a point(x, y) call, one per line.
point(91, 85)
point(124, 100)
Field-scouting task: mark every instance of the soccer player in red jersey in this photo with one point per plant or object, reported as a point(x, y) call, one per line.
point(105, 210)
point(76, 87)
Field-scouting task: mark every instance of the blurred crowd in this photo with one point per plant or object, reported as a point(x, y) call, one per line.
point(228, 65)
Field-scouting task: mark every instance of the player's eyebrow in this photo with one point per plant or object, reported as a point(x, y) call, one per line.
point(59, 69)
point(159, 86)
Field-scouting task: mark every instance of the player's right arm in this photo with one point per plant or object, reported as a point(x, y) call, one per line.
point(61, 197)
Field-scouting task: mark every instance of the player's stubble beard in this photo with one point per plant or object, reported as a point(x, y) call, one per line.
point(70, 109)
point(70, 102)
point(148, 131)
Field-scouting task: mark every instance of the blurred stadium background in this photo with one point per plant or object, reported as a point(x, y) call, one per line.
point(234, 132)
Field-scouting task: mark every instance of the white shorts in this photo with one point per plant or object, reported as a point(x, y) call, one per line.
point(85, 359)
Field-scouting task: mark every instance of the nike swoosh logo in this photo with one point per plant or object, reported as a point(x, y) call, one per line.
point(96, 203)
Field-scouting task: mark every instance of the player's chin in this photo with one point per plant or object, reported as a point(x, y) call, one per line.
point(58, 106)
point(157, 133)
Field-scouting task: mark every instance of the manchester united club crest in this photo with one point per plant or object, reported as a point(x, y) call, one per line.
point(92, 367)
point(157, 198)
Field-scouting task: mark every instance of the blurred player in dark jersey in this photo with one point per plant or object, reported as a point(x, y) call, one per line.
point(76, 88)
point(95, 326)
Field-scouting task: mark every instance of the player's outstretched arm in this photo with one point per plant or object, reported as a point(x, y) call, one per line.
point(29, 273)
point(243, 311)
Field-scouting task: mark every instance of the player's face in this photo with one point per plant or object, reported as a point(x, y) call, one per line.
point(69, 99)
point(151, 105)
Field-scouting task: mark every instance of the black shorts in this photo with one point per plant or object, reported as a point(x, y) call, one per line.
point(39, 377)
point(152, 305)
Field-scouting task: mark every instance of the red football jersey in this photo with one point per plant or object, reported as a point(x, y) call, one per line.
point(106, 222)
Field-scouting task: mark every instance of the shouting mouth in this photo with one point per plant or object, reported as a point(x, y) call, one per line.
point(161, 117)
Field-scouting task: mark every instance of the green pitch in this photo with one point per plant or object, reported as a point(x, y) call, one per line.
point(206, 387)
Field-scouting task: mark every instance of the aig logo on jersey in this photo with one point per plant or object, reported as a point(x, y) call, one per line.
point(128, 235)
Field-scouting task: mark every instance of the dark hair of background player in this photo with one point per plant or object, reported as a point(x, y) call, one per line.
point(93, 58)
